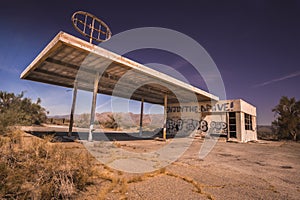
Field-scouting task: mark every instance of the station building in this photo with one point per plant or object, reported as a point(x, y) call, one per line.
point(234, 119)
point(71, 62)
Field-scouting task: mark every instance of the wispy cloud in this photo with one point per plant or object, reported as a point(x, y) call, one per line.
point(292, 75)
point(12, 70)
point(104, 106)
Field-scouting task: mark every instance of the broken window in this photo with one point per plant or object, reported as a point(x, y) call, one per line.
point(232, 125)
point(248, 122)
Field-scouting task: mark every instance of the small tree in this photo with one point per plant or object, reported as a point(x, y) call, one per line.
point(17, 110)
point(287, 121)
point(111, 123)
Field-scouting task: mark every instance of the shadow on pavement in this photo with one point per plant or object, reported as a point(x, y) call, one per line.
point(97, 136)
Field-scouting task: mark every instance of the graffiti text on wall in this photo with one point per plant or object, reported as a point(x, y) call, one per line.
point(190, 125)
point(218, 107)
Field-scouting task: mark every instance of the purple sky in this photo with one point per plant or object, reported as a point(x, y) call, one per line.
point(255, 44)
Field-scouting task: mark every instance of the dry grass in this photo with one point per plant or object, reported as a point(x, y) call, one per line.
point(117, 183)
point(39, 169)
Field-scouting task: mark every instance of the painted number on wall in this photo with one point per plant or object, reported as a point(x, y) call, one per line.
point(189, 125)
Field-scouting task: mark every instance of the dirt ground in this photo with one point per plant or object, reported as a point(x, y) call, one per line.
point(264, 170)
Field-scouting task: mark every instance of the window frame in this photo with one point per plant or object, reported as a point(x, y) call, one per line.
point(232, 126)
point(248, 122)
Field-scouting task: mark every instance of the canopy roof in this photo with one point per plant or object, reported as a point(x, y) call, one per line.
point(67, 58)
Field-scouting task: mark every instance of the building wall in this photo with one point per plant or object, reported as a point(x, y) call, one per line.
point(211, 118)
point(248, 135)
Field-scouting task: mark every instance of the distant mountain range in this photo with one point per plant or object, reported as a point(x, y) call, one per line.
point(266, 132)
point(60, 116)
point(123, 119)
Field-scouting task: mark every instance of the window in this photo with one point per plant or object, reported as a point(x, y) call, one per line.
point(248, 122)
point(232, 125)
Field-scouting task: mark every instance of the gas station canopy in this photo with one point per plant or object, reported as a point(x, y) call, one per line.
point(68, 59)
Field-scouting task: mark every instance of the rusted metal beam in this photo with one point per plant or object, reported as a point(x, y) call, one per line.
point(141, 117)
point(105, 75)
point(93, 107)
point(87, 85)
point(55, 75)
point(67, 82)
point(73, 108)
point(165, 117)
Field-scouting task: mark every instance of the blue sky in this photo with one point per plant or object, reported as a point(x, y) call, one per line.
point(255, 45)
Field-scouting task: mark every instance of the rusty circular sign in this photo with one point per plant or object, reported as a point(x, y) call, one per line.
point(91, 26)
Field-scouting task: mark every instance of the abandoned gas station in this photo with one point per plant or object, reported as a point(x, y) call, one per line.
point(74, 63)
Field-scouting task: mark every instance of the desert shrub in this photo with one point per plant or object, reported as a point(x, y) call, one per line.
point(287, 123)
point(40, 169)
point(112, 122)
point(18, 110)
point(83, 120)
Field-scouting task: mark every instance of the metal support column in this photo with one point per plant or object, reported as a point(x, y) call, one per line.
point(165, 117)
point(73, 109)
point(141, 117)
point(228, 127)
point(95, 92)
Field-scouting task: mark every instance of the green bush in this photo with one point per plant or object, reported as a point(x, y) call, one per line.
point(287, 123)
point(18, 110)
